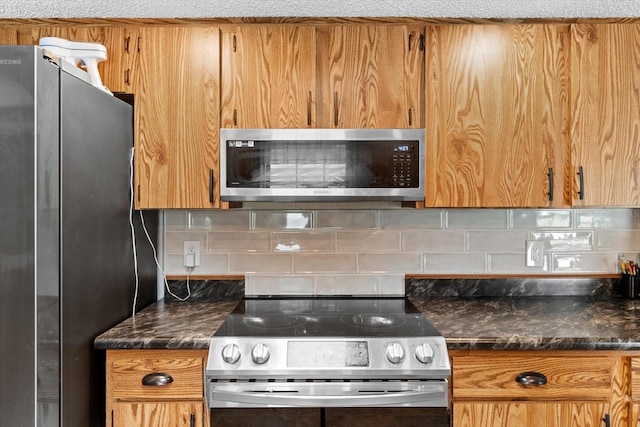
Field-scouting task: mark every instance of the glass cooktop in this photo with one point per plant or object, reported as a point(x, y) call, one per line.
point(326, 317)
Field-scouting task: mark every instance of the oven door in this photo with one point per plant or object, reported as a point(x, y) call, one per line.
point(329, 403)
point(323, 394)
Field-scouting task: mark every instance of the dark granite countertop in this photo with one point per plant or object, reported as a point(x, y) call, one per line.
point(535, 323)
point(504, 322)
point(169, 325)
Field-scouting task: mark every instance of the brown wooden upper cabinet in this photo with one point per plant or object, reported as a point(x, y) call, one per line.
point(356, 76)
point(497, 115)
point(112, 71)
point(176, 85)
point(605, 102)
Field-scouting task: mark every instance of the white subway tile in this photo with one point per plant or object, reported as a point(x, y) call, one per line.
point(405, 263)
point(239, 241)
point(349, 219)
point(496, 241)
point(360, 284)
point(618, 240)
point(477, 219)
point(432, 241)
point(586, 262)
point(260, 285)
point(325, 263)
point(309, 241)
point(368, 241)
point(565, 240)
point(174, 220)
point(392, 284)
point(174, 241)
point(280, 220)
point(411, 219)
point(529, 219)
point(260, 263)
point(508, 263)
point(626, 219)
point(456, 263)
point(225, 220)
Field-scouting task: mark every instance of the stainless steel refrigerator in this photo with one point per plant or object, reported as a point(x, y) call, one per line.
point(66, 258)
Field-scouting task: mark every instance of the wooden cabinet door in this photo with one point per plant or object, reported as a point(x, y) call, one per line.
point(370, 76)
point(269, 77)
point(497, 115)
point(120, 57)
point(176, 85)
point(147, 414)
point(634, 414)
point(605, 101)
point(528, 414)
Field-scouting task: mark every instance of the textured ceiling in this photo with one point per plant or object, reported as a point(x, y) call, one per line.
point(320, 8)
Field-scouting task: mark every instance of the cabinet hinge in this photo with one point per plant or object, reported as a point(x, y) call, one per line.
point(138, 47)
point(235, 43)
point(126, 43)
point(423, 41)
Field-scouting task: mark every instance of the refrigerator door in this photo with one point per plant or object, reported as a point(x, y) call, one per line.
point(96, 252)
point(66, 258)
point(29, 252)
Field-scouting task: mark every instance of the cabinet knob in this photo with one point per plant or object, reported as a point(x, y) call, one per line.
point(531, 379)
point(156, 379)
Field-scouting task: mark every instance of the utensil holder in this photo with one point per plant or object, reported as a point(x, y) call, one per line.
point(629, 286)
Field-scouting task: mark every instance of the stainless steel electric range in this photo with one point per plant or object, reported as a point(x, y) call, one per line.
point(319, 355)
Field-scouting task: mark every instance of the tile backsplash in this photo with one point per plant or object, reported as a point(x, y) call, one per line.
point(318, 251)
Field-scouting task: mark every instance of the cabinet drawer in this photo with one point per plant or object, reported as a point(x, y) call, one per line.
point(476, 377)
point(127, 368)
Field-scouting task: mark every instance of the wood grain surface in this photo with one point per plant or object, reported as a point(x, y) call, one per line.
point(146, 414)
point(269, 77)
point(495, 377)
point(497, 115)
point(605, 100)
point(126, 369)
point(370, 76)
point(177, 116)
point(527, 414)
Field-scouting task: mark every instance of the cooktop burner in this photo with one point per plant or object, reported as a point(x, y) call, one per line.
point(326, 317)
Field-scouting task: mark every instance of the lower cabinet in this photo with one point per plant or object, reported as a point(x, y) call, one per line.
point(534, 388)
point(156, 388)
point(179, 414)
point(531, 414)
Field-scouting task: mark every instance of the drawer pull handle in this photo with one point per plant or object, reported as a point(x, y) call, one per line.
point(531, 378)
point(157, 379)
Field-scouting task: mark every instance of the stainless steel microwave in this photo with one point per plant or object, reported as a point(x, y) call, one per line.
point(322, 164)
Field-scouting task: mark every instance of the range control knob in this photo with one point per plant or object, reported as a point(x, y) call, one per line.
point(424, 353)
point(260, 353)
point(395, 353)
point(230, 353)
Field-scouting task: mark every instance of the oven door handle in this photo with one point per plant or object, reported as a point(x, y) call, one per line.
point(291, 399)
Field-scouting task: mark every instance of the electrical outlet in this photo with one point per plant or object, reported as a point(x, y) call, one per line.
point(535, 253)
point(192, 253)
